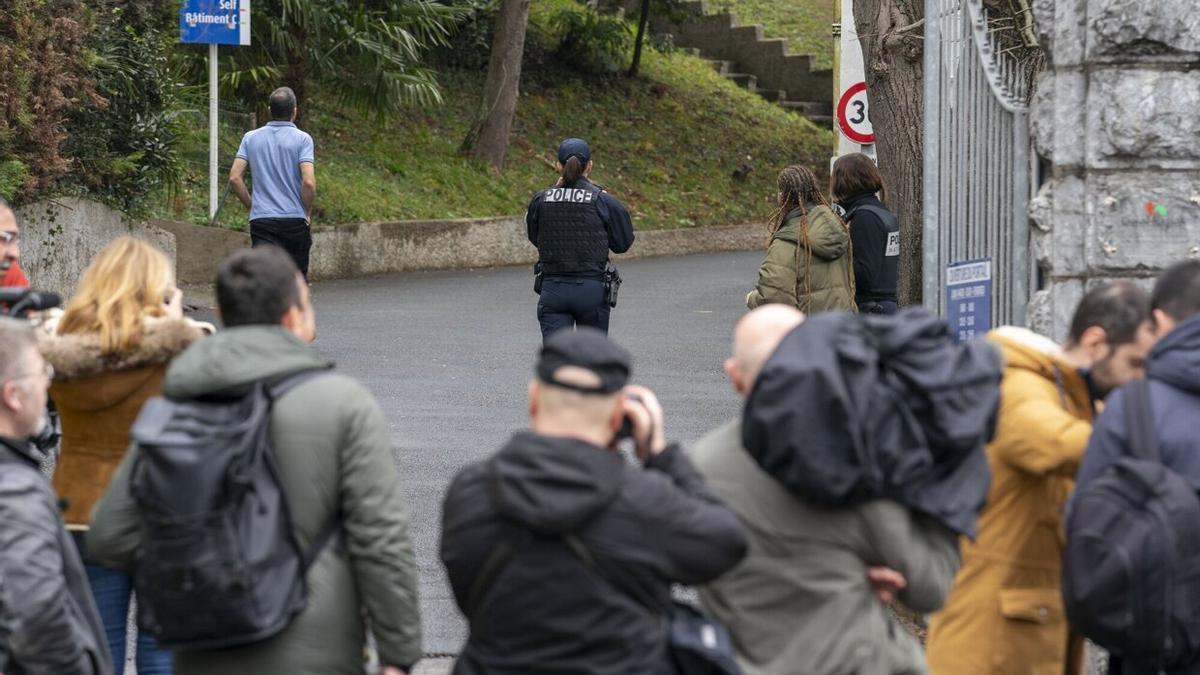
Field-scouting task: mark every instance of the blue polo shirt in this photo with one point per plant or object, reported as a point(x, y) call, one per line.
point(275, 153)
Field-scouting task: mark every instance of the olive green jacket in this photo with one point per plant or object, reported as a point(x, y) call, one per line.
point(333, 450)
point(813, 273)
point(800, 603)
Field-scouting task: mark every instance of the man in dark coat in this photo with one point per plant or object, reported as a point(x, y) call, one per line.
point(48, 621)
point(518, 529)
point(1173, 370)
point(1173, 374)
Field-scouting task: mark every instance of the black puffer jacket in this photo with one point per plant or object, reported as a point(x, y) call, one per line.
point(545, 611)
point(50, 623)
point(852, 408)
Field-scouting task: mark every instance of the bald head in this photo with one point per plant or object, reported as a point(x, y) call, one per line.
point(755, 338)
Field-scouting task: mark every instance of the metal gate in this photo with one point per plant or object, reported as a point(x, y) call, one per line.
point(976, 164)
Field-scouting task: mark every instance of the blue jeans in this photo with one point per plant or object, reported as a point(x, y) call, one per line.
point(112, 590)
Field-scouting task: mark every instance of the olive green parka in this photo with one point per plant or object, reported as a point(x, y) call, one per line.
point(808, 264)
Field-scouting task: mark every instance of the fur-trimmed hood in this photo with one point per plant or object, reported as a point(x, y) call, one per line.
point(76, 357)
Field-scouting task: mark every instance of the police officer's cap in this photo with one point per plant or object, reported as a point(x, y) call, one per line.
point(589, 349)
point(576, 147)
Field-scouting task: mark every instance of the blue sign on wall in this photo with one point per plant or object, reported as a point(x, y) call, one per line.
point(220, 22)
point(969, 298)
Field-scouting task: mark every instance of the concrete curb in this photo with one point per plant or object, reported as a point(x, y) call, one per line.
point(63, 236)
point(368, 249)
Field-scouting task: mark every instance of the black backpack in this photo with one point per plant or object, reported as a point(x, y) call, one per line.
point(219, 564)
point(1131, 567)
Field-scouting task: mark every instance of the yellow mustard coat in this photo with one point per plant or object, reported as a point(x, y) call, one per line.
point(1005, 612)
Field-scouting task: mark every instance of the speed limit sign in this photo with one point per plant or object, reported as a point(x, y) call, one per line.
point(853, 115)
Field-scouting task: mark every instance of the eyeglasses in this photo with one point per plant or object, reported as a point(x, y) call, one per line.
point(9, 237)
point(48, 372)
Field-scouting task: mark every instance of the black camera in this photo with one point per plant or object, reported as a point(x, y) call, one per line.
point(626, 430)
point(15, 301)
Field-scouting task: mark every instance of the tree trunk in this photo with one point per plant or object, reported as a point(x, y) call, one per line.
point(892, 43)
point(487, 141)
point(298, 71)
point(641, 37)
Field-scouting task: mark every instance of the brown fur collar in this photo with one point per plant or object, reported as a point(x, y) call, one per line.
point(78, 356)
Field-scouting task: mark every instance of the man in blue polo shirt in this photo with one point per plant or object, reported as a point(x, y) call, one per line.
point(280, 157)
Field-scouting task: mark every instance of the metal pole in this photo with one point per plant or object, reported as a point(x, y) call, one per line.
point(212, 131)
point(932, 273)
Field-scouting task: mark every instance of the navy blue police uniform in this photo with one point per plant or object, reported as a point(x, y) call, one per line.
point(574, 227)
point(875, 240)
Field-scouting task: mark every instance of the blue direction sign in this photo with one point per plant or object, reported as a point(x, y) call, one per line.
point(215, 22)
point(969, 298)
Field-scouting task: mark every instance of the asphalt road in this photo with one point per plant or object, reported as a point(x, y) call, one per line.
point(449, 355)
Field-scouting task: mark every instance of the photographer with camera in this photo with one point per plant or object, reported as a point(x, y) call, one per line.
point(553, 544)
point(50, 621)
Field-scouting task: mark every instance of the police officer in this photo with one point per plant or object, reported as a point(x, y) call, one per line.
point(574, 225)
point(874, 232)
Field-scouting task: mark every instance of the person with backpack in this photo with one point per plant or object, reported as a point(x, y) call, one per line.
point(560, 553)
point(110, 350)
point(809, 259)
point(855, 184)
point(1005, 611)
point(259, 507)
point(1120, 551)
point(810, 596)
point(49, 624)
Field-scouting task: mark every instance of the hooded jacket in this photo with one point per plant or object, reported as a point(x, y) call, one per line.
point(98, 397)
point(546, 611)
point(1173, 371)
point(334, 456)
point(800, 601)
point(856, 407)
point(49, 621)
point(807, 264)
point(1005, 613)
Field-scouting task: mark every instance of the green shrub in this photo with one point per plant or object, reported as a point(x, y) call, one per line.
point(592, 41)
point(12, 177)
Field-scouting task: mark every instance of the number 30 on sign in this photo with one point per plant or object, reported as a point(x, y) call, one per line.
point(854, 115)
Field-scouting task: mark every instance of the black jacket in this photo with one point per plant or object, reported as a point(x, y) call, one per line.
point(50, 622)
point(1173, 372)
point(876, 273)
point(856, 407)
point(545, 611)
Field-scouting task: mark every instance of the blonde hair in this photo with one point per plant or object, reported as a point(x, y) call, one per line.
point(125, 283)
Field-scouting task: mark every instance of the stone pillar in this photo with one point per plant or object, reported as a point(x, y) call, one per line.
point(1116, 122)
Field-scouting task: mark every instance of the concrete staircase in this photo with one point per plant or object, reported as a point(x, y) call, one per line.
point(756, 63)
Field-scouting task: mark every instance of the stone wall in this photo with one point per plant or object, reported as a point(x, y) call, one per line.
point(1115, 117)
point(59, 238)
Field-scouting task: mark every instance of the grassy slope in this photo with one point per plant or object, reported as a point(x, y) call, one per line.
point(667, 144)
point(806, 23)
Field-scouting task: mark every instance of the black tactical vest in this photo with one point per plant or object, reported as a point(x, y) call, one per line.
point(572, 238)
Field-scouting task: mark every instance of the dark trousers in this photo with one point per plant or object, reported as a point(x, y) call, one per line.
point(290, 234)
point(566, 302)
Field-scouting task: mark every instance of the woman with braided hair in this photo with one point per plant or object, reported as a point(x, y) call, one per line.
point(809, 258)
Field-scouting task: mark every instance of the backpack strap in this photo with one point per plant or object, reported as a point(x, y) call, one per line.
point(276, 390)
point(622, 582)
point(1139, 420)
point(501, 555)
point(330, 530)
